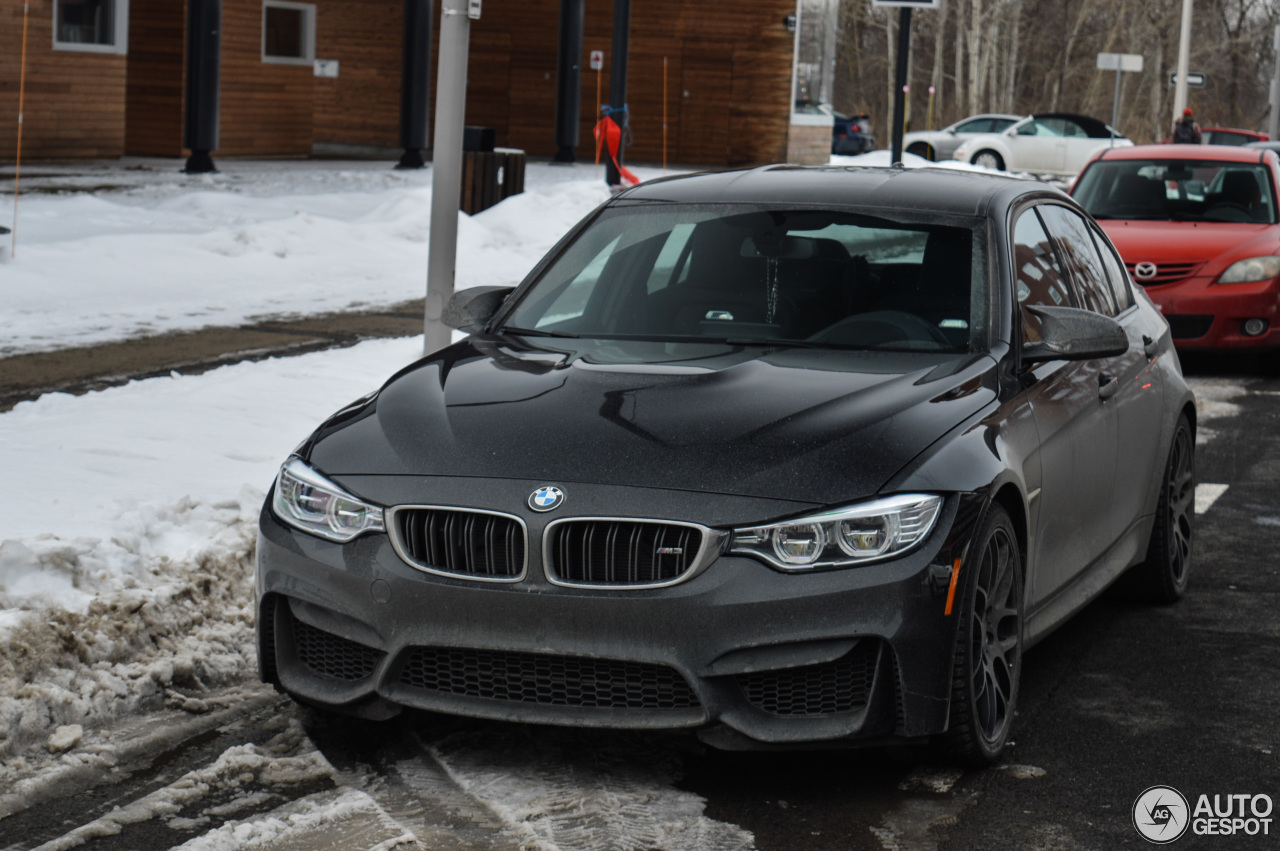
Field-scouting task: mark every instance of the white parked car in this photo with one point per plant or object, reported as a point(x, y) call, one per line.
point(1050, 143)
point(941, 144)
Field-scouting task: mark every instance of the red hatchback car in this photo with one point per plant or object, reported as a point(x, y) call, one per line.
point(1197, 227)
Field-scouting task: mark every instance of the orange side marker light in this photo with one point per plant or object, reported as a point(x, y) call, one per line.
point(951, 592)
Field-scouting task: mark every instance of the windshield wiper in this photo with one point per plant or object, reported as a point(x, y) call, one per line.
point(534, 332)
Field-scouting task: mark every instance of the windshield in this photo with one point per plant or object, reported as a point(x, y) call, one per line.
point(739, 274)
point(1178, 190)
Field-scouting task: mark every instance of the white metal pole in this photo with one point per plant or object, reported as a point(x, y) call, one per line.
point(1275, 89)
point(446, 169)
point(1184, 62)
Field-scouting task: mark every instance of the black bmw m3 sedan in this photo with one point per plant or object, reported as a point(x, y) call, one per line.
point(787, 456)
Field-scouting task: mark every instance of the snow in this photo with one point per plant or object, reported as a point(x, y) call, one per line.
point(162, 252)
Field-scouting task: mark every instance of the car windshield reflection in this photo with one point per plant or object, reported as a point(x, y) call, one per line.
point(1178, 190)
point(760, 277)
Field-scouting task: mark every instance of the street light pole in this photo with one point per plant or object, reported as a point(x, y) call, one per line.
point(1184, 62)
point(446, 166)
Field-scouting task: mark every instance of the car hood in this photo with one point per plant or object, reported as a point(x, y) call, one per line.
point(813, 425)
point(1219, 243)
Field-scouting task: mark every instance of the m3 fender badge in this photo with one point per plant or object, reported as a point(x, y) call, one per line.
point(546, 498)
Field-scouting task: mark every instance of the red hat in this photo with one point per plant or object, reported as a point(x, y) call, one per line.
point(1187, 112)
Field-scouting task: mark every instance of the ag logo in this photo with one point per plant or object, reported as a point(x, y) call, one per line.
point(1161, 814)
point(546, 498)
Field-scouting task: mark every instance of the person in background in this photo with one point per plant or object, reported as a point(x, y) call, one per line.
point(1186, 131)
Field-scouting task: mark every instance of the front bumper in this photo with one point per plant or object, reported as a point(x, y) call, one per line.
point(747, 654)
point(1209, 316)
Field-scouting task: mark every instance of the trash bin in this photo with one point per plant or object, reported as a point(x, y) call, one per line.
point(489, 174)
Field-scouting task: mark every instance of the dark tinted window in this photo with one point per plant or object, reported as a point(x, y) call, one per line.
point(827, 278)
point(1037, 275)
point(1116, 274)
point(1080, 256)
point(977, 125)
point(86, 21)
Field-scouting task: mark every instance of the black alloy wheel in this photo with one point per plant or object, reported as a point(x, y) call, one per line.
point(1162, 578)
point(988, 656)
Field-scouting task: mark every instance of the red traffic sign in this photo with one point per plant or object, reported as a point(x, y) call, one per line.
point(597, 60)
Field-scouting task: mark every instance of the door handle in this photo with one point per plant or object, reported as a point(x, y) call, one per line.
point(1150, 346)
point(1107, 385)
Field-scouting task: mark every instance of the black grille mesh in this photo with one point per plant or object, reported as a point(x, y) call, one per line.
point(621, 552)
point(1188, 326)
point(840, 686)
point(464, 542)
point(333, 656)
point(546, 679)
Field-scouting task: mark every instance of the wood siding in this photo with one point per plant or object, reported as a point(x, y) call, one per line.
point(726, 94)
point(728, 77)
point(361, 106)
point(154, 93)
point(74, 101)
point(266, 109)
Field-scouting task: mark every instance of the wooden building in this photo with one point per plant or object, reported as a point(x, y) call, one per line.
point(105, 78)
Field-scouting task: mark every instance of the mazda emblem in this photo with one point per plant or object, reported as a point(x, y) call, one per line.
point(1145, 271)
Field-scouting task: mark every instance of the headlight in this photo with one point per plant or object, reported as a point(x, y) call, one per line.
point(1253, 269)
point(308, 501)
point(875, 530)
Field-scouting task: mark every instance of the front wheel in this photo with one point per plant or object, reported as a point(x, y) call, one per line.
point(988, 158)
point(1162, 578)
point(987, 666)
point(922, 149)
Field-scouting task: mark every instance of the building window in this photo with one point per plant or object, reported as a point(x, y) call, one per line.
point(92, 26)
point(288, 32)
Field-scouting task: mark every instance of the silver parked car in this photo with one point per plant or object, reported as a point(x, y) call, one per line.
point(939, 145)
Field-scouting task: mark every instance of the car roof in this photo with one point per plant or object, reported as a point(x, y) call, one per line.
point(1095, 128)
point(934, 190)
point(1226, 153)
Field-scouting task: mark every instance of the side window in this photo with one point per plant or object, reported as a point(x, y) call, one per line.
point(977, 125)
point(1116, 274)
point(288, 32)
point(1080, 256)
point(91, 26)
point(1037, 275)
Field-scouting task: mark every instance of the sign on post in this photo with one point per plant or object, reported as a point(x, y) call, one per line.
point(1120, 63)
point(1131, 62)
point(1194, 78)
point(597, 60)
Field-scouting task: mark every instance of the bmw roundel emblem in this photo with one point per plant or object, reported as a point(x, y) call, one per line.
point(546, 498)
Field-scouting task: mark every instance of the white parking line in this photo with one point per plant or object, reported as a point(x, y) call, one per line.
point(1207, 495)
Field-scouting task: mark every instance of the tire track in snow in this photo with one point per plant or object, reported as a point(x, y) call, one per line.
point(574, 790)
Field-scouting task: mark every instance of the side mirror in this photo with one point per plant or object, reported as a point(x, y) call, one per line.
point(1069, 333)
point(471, 309)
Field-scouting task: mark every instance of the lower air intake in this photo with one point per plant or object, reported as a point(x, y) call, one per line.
point(546, 679)
point(832, 687)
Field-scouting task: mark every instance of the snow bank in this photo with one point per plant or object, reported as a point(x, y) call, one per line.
point(156, 253)
point(127, 530)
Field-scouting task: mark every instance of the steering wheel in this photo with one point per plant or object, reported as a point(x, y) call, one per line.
point(1229, 211)
point(883, 328)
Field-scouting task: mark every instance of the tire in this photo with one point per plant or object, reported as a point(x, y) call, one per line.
point(988, 158)
point(1162, 578)
point(922, 149)
point(987, 667)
